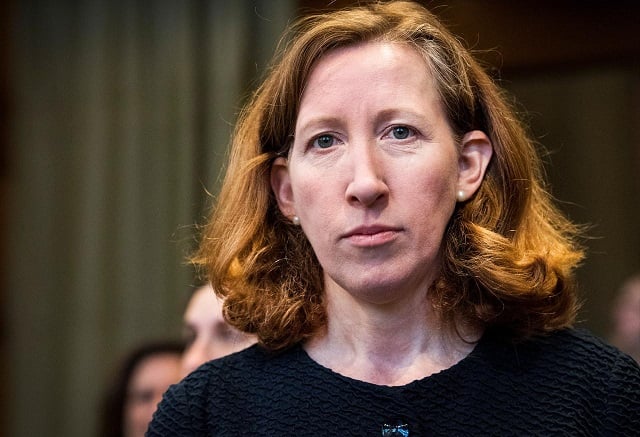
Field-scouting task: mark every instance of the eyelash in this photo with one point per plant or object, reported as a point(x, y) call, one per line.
point(410, 133)
point(314, 141)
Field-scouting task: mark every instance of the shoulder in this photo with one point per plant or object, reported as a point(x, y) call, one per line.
point(578, 345)
point(573, 343)
point(573, 365)
point(584, 365)
point(219, 389)
point(571, 357)
point(185, 407)
point(612, 376)
point(238, 368)
point(255, 360)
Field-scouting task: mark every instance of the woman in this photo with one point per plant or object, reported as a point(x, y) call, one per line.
point(145, 374)
point(208, 336)
point(384, 230)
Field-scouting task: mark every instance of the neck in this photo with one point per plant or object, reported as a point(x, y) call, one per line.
point(388, 344)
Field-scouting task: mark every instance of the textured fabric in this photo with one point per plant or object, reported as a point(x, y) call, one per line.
point(565, 384)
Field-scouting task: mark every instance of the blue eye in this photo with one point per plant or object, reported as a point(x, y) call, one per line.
point(324, 141)
point(401, 132)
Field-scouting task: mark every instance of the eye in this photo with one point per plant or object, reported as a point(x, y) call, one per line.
point(226, 333)
point(140, 396)
point(324, 141)
point(188, 335)
point(401, 132)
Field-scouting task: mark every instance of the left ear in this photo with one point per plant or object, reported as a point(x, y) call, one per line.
point(475, 154)
point(281, 186)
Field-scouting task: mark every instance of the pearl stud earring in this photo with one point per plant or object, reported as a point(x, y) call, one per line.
point(295, 220)
point(461, 196)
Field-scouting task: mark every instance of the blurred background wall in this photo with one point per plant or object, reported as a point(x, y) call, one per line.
point(115, 121)
point(120, 112)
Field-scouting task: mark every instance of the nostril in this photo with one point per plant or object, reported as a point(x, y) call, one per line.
point(367, 192)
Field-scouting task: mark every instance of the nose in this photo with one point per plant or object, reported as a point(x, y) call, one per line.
point(193, 356)
point(367, 185)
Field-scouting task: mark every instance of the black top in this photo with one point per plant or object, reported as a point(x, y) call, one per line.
point(566, 384)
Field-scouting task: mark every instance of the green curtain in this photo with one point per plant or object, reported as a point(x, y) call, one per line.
point(121, 116)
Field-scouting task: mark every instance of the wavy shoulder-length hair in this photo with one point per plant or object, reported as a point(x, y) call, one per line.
point(508, 253)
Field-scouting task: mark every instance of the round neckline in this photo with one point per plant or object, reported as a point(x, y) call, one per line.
point(457, 367)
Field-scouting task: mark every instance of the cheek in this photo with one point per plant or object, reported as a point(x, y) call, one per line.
point(316, 196)
point(319, 205)
point(135, 414)
point(316, 216)
point(431, 184)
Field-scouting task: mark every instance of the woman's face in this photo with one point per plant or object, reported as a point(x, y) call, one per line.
point(374, 170)
point(150, 379)
point(208, 335)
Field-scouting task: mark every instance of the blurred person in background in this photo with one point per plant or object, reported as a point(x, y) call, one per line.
point(207, 335)
point(143, 376)
point(625, 317)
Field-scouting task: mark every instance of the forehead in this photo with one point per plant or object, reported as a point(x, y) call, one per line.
point(154, 367)
point(203, 305)
point(368, 79)
point(374, 55)
point(388, 67)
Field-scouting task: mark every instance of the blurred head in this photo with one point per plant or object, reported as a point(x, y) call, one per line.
point(143, 378)
point(507, 253)
point(208, 336)
point(149, 381)
point(625, 317)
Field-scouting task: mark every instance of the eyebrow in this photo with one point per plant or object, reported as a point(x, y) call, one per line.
point(403, 113)
point(383, 114)
point(318, 123)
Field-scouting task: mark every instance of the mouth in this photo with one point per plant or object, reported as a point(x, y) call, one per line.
point(371, 236)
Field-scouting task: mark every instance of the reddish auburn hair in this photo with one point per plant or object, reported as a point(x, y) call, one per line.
point(508, 253)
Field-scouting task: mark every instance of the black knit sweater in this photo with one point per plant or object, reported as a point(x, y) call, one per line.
point(566, 384)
